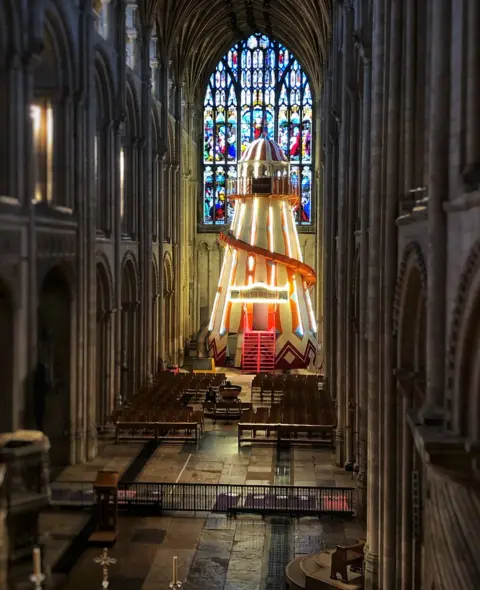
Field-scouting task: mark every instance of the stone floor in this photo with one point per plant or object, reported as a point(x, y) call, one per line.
point(214, 552)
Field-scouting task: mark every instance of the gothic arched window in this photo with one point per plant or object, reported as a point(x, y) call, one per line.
point(257, 86)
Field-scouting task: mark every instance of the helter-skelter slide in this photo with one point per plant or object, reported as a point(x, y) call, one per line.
point(262, 313)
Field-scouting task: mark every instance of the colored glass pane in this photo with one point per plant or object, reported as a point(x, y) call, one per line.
point(258, 86)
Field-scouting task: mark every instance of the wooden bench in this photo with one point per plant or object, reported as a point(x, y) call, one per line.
point(157, 430)
point(255, 427)
point(139, 428)
point(344, 556)
point(324, 434)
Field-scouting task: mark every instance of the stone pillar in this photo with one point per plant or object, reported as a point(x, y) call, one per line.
point(3, 529)
point(341, 257)
point(437, 194)
point(472, 116)
point(364, 224)
point(406, 550)
point(373, 326)
point(177, 264)
point(161, 273)
point(350, 335)
point(389, 273)
point(117, 233)
point(146, 239)
point(327, 205)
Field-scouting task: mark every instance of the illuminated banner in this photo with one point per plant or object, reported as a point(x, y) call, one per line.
point(258, 293)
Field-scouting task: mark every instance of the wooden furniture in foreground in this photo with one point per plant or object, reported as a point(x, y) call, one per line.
point(106, 506)
point(346, 555)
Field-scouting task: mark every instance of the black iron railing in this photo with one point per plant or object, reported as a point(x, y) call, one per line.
point(197, 497)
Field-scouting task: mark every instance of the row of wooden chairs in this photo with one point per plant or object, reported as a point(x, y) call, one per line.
point(267, 384)
point(296, 407)
point(162, 400)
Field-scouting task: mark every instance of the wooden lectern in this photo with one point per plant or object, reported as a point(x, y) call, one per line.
point(106, 505)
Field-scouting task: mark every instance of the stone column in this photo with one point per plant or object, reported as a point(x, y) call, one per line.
point(318, 219)
point(389, 274)
point(341, 256)
point(117, 296)
point(161, 274)
point(177, 264)
point(350, 336)
point(437, 195)
point(364, 224)
point(327, 205)
point(373, 327)
point(146, 238)
point(3, 529)
point(472, 116)
point(405, 387)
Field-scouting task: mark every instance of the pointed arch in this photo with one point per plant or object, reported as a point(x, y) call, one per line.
point(463, 378)
point(55, 325)
point(104, 85)
point(60, 36)
point(168, 273)
point(409, 318)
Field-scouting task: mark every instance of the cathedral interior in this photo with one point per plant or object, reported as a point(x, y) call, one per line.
point(122, 123)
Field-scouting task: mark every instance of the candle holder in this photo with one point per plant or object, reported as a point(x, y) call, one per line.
point(37, 580)
point(175, 584)
point(105, 561)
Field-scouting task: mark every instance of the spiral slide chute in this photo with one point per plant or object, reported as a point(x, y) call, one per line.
point(306, 271)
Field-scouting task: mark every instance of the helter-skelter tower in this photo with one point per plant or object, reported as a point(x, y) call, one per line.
point(262, 314)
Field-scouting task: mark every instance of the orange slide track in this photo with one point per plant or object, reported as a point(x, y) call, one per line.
point(301, 268)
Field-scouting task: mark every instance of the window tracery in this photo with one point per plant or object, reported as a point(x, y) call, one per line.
point(131, 32)
point(100, 12)
point(257, 86)
point(153, 61)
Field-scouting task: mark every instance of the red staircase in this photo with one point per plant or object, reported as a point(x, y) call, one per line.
point(258, 355)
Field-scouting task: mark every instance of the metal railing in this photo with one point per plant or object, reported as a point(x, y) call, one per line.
point(155, 497)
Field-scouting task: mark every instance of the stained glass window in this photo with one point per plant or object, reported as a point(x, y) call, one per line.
point(258, 86)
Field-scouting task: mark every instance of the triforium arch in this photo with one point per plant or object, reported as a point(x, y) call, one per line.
point(409, 311)
point(55, 410)
point(463, 387)
point(52, 113)
point(410, 329)
point(7, 358)
point(129, 327)
point(104, 341)
point(168, 307)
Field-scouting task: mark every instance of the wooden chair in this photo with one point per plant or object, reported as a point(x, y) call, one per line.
point(346, 555)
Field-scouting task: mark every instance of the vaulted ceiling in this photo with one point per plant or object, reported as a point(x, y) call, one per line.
point(195, 34)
